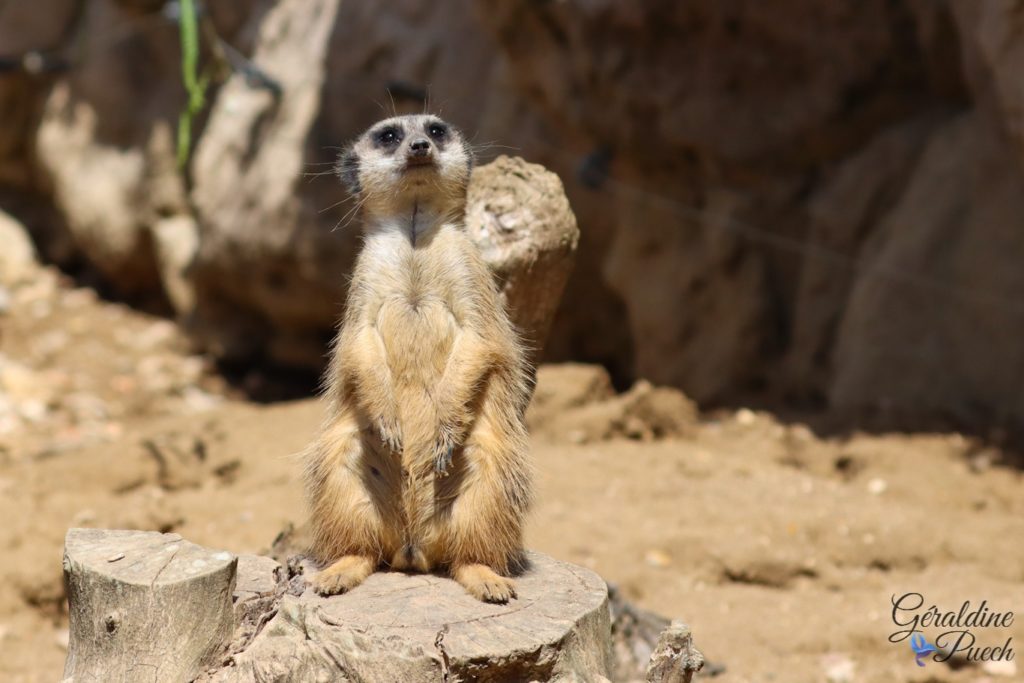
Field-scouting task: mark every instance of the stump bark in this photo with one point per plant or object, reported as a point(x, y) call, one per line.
point(675, 659)
point(144, 606)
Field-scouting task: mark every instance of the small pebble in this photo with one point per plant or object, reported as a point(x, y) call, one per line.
point(198, 401)
point(982, 461)
point(115, 558)
point(83, 517)
point(77, 298)
point(838, 668)
point(745, 417)
point(657, 558)
point(33, 410)
point(877, 486)
point(156, 334)
point(576, 436)
point(1003, 668)
point(800, 432)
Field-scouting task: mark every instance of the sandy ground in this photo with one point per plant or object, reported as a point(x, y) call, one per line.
point(781, 549)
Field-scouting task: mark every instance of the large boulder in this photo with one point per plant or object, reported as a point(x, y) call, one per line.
point(709, 126)
point(993, 56)
point(664, 83)
point(262, 258)
point(105, 144)
point(934, 321)
point(842, 215)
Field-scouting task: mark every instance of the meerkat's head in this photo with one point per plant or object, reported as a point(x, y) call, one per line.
point(406, 161)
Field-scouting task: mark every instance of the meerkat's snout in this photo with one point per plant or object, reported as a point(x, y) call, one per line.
point(421, 152)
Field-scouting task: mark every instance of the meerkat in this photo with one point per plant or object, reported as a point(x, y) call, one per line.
point(422, 463)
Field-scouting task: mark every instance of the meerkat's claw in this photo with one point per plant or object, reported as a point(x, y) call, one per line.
point(389, 432)
point(484, 584)
point(443, 460)
point(345, 574)
point(444, 449)
point(497, 591)
point(328, 585)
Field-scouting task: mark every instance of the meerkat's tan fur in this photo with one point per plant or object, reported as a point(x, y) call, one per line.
point(422, 463)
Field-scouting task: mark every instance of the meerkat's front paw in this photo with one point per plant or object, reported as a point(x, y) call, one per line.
point(444, 449)
point(443, 459)
point(345, 574)
point(483, 583)
point(390, 433)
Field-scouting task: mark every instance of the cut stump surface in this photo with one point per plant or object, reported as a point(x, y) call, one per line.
point(402, 627)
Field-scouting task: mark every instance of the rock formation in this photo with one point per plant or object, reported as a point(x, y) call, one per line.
point(754, 184)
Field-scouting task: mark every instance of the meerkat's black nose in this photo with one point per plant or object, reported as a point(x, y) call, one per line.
point(420, 148)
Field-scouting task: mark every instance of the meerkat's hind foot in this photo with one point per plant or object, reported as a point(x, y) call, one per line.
point(483, 583)
point(345, 574)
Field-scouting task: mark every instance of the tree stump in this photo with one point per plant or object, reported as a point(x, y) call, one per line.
point(153, 607)
point(422, 627)
point(144, 606)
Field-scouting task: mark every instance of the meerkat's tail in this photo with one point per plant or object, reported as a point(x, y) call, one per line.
point(417, 490)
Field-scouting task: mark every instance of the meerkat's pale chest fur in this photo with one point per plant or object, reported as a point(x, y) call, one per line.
point(422, 463)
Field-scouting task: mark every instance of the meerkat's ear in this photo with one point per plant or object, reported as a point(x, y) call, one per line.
point(347, 169)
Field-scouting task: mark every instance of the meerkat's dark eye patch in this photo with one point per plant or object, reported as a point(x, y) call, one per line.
point(437, 130)
point(388, 137)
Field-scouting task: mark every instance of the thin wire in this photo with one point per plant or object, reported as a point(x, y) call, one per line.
point(709, 220)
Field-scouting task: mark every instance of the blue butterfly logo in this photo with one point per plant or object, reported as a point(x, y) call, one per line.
point(921, 647)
